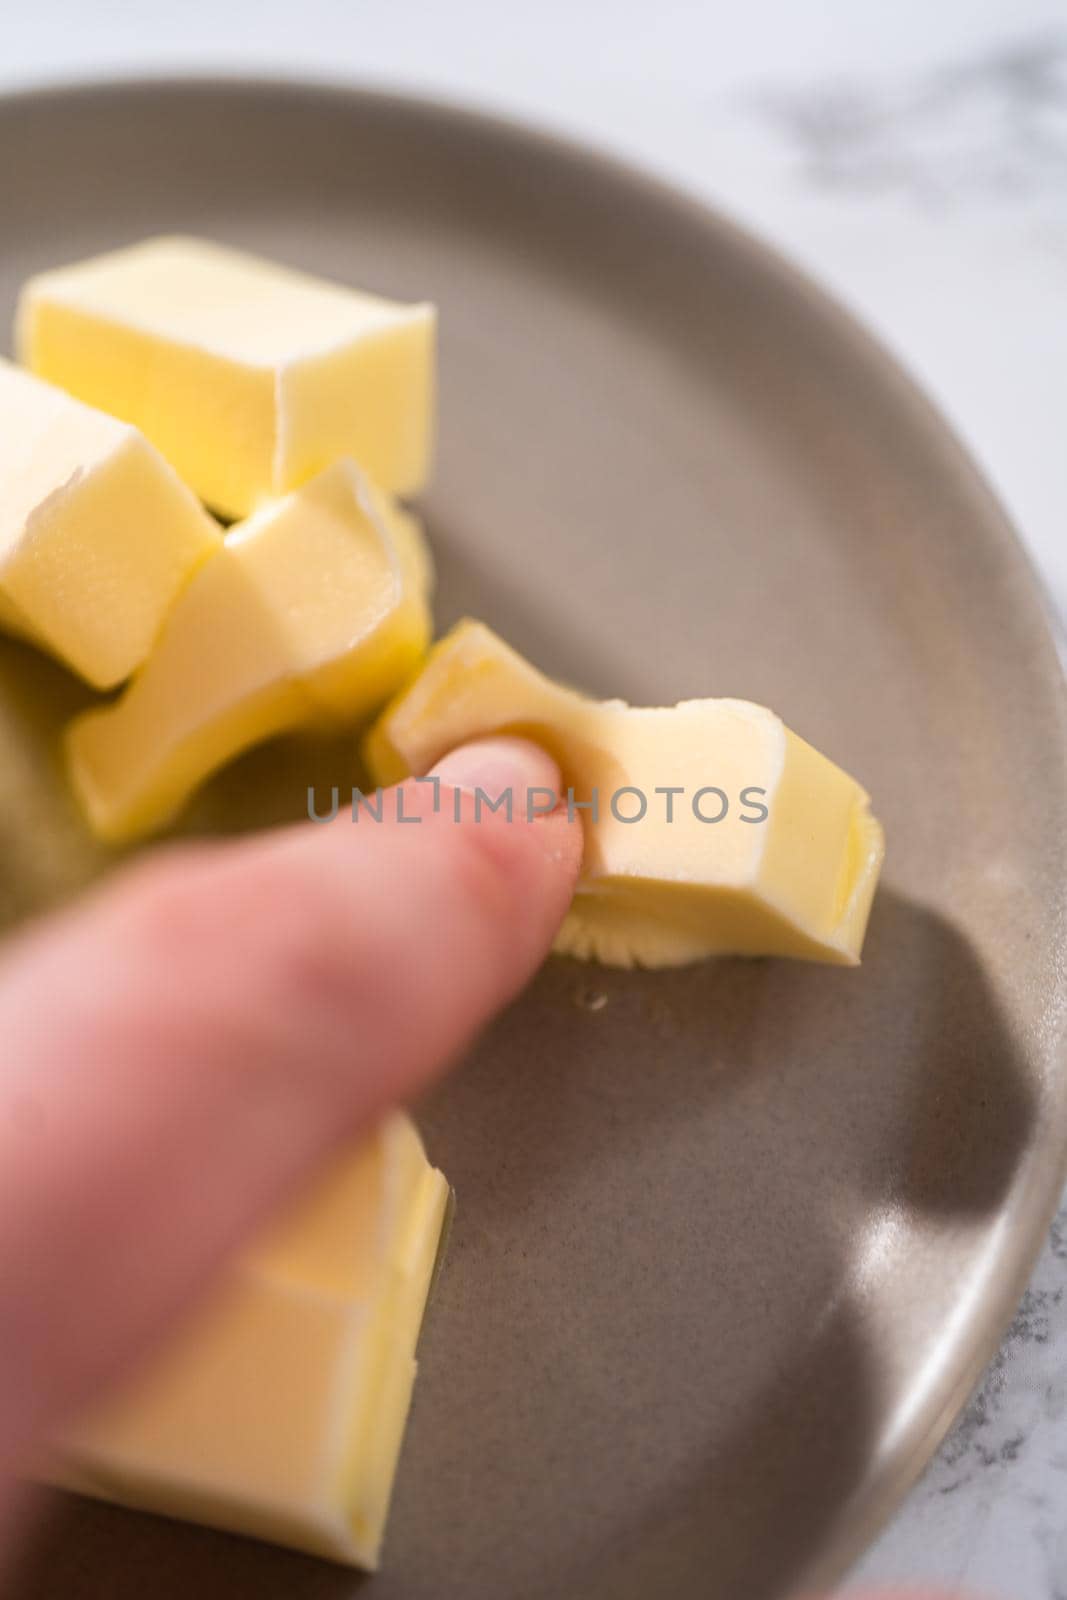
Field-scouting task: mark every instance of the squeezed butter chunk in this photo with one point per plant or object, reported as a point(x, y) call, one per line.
point(278, 1409)
point(796, 881)
point(313, 612)
point(97, 534)
point(249, 377)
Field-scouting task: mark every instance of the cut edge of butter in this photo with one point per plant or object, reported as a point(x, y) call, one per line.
point(157, 1444)
point(249, 376)
point(610, 923)
point(802, 886)
point(98, 535)
point(268, 637)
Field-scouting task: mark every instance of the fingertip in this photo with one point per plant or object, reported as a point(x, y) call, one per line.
point(515, 781)
point(506, 767)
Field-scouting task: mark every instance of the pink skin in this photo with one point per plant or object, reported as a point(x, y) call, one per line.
point(187, 1044)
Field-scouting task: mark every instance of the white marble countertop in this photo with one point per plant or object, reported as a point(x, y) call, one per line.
point(914, 157)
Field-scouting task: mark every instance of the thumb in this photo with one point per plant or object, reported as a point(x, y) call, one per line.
point(183, 1047)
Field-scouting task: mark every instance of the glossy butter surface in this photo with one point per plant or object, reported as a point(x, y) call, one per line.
point(249, 377)
point(278, 1408)
point(313, 612)
point(97, 534)
point(796, 881)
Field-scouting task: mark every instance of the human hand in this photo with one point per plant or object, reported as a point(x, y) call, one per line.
point(184, 1046)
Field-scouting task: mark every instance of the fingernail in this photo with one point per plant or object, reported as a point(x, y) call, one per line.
point(496, 766)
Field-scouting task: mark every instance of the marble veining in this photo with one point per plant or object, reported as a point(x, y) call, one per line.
point(989, 1517)
point(990, 127)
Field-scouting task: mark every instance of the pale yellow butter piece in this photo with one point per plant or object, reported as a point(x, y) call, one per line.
point(97, 534)
point(313, 612)
point(655, 892)
point(249, 377)
point(278, 1408)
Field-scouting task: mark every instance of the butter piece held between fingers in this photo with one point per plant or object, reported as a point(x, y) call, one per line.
point(249, 377)
point(716, 829)
point(313, 613)
point(97, 533)
point(278, 1408)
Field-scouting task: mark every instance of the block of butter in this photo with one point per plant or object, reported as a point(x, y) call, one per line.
point(278, 1408)
point(709, 827)
point(249, 377)
point(314, 611)
point(97, 533)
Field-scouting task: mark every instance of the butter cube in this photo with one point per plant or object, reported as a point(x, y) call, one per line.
point(278, 1409)
point(97, 534)
point(710, 828)
point(249, 377)
point(313, 612)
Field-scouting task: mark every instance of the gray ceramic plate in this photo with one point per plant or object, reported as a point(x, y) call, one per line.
point(732, 1243)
